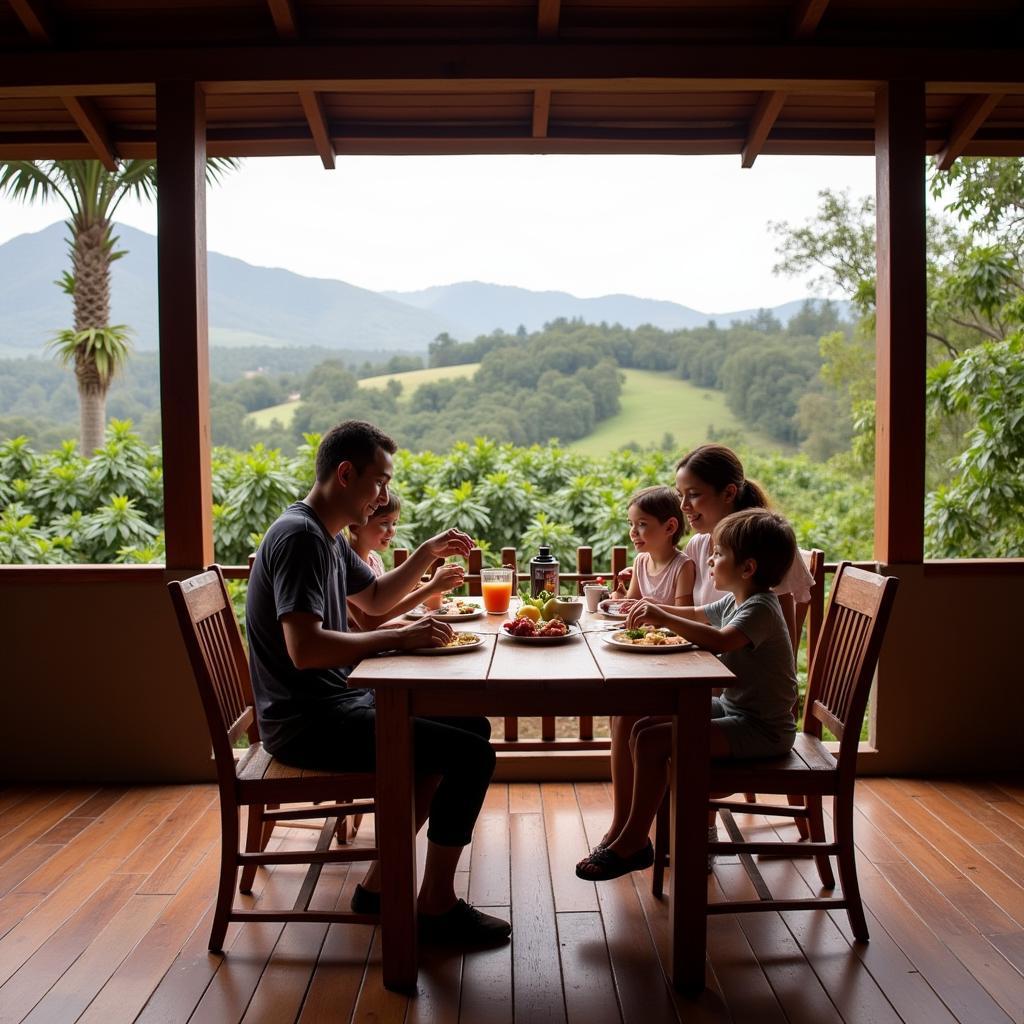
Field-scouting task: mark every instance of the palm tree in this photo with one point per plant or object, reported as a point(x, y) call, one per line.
point(97, 348)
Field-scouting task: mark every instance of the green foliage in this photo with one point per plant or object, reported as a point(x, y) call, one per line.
point(980, 512)
point(61, 509)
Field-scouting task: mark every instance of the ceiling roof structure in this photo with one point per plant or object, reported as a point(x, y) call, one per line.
point(328, 77)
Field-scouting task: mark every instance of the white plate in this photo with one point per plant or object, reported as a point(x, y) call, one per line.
point(419, 611)
point(574, 631)
point(613, 602)
point(461, 649)
point(611, 641)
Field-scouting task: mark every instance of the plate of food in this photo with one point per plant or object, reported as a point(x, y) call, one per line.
point(460, 643)
point(452, 610)
point(647, 638)
point(550, 631)
point(615, 608)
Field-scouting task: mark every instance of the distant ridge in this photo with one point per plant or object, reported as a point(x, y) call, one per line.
point(269, 306)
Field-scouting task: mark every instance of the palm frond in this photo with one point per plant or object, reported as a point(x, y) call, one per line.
point(106, 347)
point(30, 180)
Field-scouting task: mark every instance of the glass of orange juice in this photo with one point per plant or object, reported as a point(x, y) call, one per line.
point(496, 586)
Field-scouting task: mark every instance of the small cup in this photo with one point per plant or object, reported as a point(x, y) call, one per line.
point(433, 601)
point(594, 593)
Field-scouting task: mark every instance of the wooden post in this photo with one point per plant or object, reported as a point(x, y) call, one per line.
point(184, 345)
point(900, 336)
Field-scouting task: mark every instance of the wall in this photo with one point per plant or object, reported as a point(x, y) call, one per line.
point(950, 688)
point(96, 685)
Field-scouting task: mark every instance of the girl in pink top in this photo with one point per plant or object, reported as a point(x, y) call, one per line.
point(661, 572)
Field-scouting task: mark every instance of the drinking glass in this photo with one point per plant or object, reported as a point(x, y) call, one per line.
point(496, 586)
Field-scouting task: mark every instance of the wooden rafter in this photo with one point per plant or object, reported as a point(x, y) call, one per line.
point(765, 115)
point(283, 13)
point(313, 106)
point(507, 67)
point(92, 125)
point(806, 17)
point(969, 118)
point(36, 23)
point(541, 112)
point(548, 15)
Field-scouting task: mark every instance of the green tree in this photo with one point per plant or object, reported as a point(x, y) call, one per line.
point(96, 348)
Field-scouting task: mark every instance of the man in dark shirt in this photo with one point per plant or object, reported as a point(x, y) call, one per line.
point(301, 654)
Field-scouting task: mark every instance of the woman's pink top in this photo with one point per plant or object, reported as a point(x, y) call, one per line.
point(797, 581)
point(658, 587)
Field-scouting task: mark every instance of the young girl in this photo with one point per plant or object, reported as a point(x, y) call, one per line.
point(750, 553)
point(710, 484)
point(376, 536)
point(661, 572)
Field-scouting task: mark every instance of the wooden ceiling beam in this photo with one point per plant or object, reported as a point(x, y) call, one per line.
point(94, 128)
point(36, 22)
point(619, 66)
point(806, 17)
point(285, 22)
point(541, 112)
point(765, 115)
point(549, 13)
point(313, 107)
point(970, 117)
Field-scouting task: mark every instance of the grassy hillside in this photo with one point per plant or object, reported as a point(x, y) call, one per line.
point(653, 404)
point(414, 378)
point(410, 382)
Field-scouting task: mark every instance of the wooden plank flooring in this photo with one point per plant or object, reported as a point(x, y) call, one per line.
point(105, 897)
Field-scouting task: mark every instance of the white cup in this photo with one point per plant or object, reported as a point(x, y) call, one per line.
point(594, 593)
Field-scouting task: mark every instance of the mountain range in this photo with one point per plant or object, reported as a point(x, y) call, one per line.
point(251, 305)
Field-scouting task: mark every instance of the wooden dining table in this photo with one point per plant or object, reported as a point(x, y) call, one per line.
point(578, 676)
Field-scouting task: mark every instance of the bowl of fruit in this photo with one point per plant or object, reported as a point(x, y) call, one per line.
point(551, 606)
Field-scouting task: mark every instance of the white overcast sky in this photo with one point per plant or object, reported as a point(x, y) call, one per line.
point(692, 230)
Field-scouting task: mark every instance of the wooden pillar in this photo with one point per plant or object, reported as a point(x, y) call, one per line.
point(901, 323)
point(184, 346)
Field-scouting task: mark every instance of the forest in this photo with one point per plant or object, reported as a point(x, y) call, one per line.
point(482, 453)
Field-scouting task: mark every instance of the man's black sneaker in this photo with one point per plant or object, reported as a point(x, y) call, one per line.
point(365, 902)
point(464, 926)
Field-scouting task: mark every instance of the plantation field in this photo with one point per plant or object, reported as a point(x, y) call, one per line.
point(655, 404)
point(410, 381)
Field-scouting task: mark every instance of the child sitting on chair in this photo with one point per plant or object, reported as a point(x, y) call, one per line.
point(375, 536)
point(751, 551)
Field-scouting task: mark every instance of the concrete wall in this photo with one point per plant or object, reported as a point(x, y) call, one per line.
point(96, 686)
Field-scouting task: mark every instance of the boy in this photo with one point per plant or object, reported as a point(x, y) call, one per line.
point(751, 552)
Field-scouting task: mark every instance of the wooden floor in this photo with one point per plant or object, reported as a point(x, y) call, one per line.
point(105, 902)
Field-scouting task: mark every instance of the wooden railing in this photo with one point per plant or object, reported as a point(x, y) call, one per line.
point(584, 740)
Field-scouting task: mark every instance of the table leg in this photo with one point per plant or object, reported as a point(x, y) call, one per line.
point(691, 777)
point(396, 838)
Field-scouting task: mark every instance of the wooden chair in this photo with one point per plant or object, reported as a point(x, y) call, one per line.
point(255, 779)
point(800, 810)
point(837, 694)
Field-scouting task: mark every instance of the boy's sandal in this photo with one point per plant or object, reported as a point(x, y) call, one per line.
point(604, 864)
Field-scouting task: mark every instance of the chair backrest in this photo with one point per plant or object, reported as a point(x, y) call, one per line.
point(815, 562)
point(214, 644)
point(844, 663)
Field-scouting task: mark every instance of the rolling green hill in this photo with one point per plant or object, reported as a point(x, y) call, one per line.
point(655, 404)
point(410, 382)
